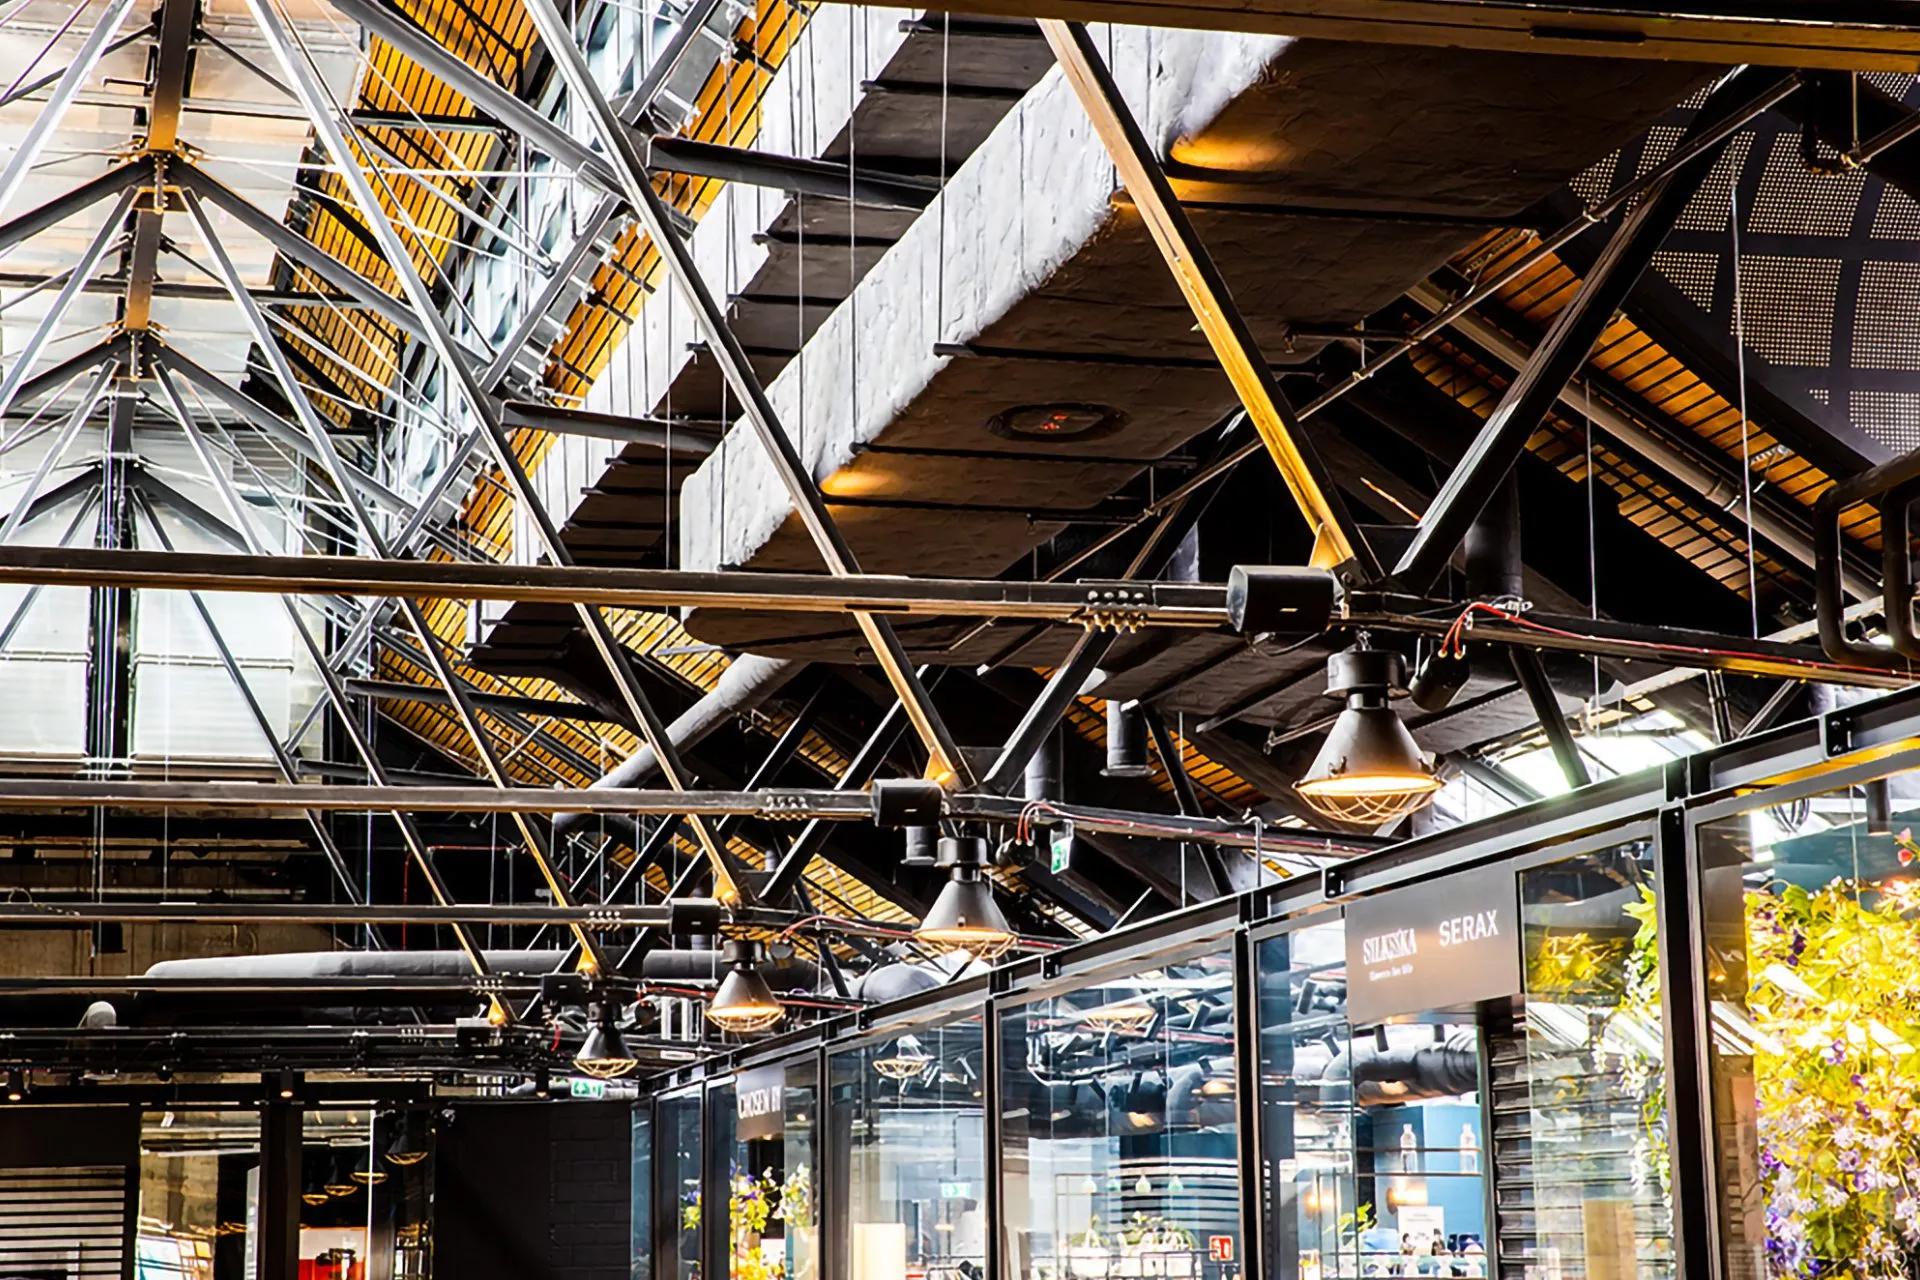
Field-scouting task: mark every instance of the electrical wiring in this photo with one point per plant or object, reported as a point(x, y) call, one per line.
point(1453, 642)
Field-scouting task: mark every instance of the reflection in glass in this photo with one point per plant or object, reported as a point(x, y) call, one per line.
point(1595, 1190)
point(366, 1195)
point(1812, 916)
point(676, 1173)
point(640, 1208)
point(1306, 1112)
point(197, 1172)
point(908, 1118)
point(773, 1229)
point(1372, 1138)
point(1119, 1127)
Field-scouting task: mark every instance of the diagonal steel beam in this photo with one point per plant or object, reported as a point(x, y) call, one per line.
point(637, 186)
point(303, 252)
point(330, 123)
point(861, 770)
point(57, 448)
point(1532, 675)
point(1563, 352)
point(57, 210)
point(1338, 539)
point(283, 761)
point(269, 422)
point(27, 154)
point(77, 278)
point(552, 137)
point(370, 534)
point(331, 687)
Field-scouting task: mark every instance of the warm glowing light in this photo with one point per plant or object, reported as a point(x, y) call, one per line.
point(1122, 1018)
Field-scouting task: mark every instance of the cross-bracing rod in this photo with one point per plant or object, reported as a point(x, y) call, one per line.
point(330, 123)
point(56, 449)
point(77, 278)
point(27, 154)
point(283, 761)
point(335, 693)
point(369, 533)
point(588, 242)
point(636, 184)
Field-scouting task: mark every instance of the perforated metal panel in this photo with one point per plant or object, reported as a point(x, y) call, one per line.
point(1829, 280)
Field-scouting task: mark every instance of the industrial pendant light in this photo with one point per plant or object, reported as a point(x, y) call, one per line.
point(907, 1060)
point(1369, 769)
point(965, 917)
point(603, 1054)
point(744, 1002)
point(336, 1186)
point(367, 1172)
point(406, 1149)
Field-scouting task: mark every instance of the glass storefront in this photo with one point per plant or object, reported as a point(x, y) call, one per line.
point(772, 1199)
point(1591, 1191)
point(676, 1175)
point(908, 1124)
point(1812, 922)
point(1649, 1034)
point(1371, 1137)
point(1119, 1122)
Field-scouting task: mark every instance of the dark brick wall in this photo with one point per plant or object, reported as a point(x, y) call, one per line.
point(533, 1191)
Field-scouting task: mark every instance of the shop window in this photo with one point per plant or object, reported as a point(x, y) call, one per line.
point(909, 1140)
point(1119, 1125)
point(1310, 1194)
point(773, 1230)
point(1583, 1172)
point(676, 1187)
point(640, 1211)
point(1812, 932)
point(1371, 1136)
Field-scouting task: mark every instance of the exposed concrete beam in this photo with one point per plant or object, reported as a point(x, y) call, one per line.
point(1878, 35)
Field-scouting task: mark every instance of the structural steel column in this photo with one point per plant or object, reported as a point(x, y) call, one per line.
point(276, 1240)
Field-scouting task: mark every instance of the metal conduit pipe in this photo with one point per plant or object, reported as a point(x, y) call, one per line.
point(1722, 493)
point(356, 964)
point(1407, 1070)
point(746, 684)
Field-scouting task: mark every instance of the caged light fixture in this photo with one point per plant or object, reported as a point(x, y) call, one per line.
point(1369, 770)
point(965, 917)
point(744, 1002)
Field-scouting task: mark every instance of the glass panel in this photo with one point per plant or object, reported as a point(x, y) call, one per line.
point(1120, 1145)
point(640, 1211)
point(1308, 1187)
point(366, 1195)
point(910, 1137)
point(1593, 1197)
point(677, 1187)
point(198, 1174)
point(773, 1230)
point(1812, 918)
point(1372, 1138)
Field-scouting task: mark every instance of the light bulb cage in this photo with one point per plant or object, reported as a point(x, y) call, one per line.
point(744, 1002)
point(1369, 771)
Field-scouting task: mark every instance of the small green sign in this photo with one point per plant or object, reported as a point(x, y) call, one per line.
point(956, 1191)
point(1060, 846)
point(589, 1088)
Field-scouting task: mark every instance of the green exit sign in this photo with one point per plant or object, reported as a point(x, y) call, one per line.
point(1060, 847)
